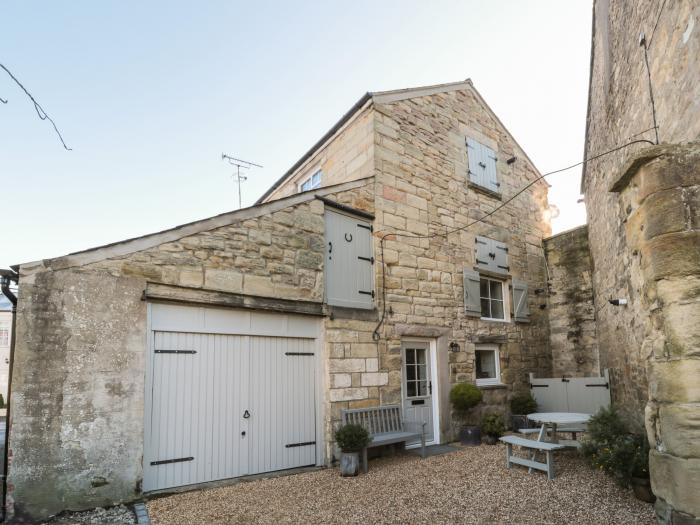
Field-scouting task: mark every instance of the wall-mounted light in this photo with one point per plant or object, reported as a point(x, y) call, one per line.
point(454, 346)
point(618, 302)
point(511, 160)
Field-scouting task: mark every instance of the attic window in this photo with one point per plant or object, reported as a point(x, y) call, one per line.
point(312, 182)
point(482, 166)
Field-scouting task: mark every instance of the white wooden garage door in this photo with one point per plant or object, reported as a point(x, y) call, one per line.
point(229, 393)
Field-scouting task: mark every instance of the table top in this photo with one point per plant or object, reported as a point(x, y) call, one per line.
point(559, 417)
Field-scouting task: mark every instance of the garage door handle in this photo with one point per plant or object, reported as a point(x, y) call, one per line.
point(246, 414)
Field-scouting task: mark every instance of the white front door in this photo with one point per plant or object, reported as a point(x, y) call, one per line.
point(417, 385)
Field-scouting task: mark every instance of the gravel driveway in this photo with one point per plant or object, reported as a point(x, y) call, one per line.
point(471, 485)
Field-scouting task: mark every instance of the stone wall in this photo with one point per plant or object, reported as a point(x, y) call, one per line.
point(660, 197)
point(572, 336)
point(421, 182)
point(620, 110)
point(76, 436)
point(346, 157)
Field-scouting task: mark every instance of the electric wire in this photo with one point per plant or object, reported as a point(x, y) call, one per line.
point(37, 107)
point(375, 334)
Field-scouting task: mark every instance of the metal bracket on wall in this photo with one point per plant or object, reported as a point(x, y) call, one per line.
point(167, 461)
point(175, 351)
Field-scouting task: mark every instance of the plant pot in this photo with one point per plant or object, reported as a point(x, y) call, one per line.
point(470, 435)
point(349, 464)
point(489, 440)
point(642, 490)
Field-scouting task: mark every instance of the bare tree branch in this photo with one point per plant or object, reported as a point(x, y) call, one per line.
point(39, 110)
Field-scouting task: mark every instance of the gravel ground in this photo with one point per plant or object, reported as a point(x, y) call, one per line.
point(119, 515)
point(471, 485)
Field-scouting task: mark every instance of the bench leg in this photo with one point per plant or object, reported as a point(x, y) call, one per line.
point(509, 452)
point(541, 436)
point(550, 464)
point(365, 466)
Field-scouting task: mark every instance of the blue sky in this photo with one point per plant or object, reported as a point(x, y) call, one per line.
point(149, 94)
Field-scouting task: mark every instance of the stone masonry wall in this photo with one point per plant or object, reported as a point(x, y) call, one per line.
point(660, 196)
point(570, 304)
point(421, 180)
point(347, 157)
point(620, 108)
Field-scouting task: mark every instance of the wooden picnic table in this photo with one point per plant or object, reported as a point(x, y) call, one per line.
point(552, 420)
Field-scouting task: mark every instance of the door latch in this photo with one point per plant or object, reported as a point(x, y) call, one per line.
point(246, 414)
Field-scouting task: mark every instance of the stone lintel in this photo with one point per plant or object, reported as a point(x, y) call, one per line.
point(181, 294)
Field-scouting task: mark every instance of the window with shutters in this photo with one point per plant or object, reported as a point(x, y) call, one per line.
point(312, 182)
point(482, 167)
point(493, 306)
point(349, 263)
point(487, 365)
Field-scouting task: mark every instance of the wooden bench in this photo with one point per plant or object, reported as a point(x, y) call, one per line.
point(531, 444)
point(565, 430)
point(386, 426)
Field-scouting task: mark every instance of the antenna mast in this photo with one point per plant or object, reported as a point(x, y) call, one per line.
point(239, 163)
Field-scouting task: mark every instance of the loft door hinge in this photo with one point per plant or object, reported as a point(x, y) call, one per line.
point(367, 293)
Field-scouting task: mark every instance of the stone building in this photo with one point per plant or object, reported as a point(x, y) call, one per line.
point(365, 276)
point(643, 214)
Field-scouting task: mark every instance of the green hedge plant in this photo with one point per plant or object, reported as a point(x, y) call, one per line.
point(352, 438)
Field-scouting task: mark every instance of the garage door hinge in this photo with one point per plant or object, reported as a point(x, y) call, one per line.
point(368, 259)
point(304, 444)
point(298, 353)
point(175, 351)
point(367, 293)
point(166, 461)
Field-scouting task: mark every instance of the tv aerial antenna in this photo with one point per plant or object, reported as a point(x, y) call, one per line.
point(240, 164)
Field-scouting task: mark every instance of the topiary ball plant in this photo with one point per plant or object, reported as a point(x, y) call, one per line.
point(352, 438)
point(465, 396)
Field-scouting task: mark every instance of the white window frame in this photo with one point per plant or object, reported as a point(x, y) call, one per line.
point(488, 381)
point(310, 179)
point(506, 302)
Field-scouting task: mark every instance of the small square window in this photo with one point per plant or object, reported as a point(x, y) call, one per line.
point(492, 302)
point(312, 182)
point(488, 369)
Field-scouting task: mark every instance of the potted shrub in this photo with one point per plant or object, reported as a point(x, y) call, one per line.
point(520, 406)
point(464, 397)
point(351, 439)
point(610, 446)
point(492, 428)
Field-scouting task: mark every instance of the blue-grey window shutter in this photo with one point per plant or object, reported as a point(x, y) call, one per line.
point(472, 299)
point(501, 260)
point(474, 156)
point(490, 173)
point(521, 311)
point(349, 265)
point(482, 249)
point(482, 166)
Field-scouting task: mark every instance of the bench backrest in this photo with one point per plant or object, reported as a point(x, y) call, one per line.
point(377, 420)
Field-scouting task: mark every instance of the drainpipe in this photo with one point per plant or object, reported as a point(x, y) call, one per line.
point(7, 277)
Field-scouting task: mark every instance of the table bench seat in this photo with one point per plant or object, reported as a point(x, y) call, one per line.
point(542, 446)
